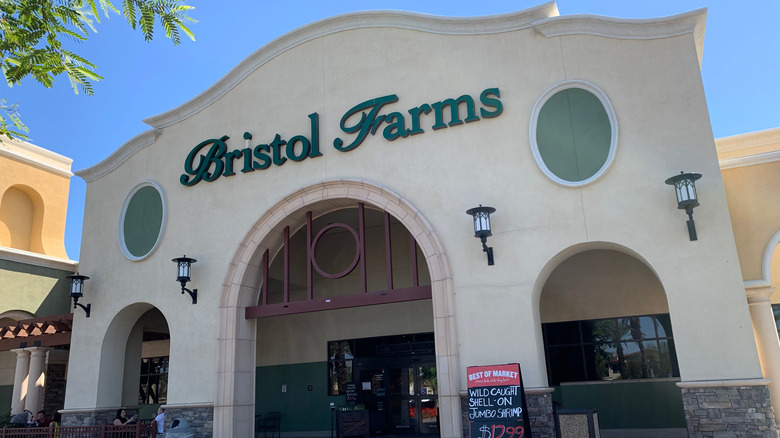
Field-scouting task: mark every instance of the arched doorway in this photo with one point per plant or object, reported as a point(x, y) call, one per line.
point(345, 317)
point(235, 406)
point(134, 361)
point(609, 343)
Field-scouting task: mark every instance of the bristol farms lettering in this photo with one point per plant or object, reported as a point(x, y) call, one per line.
point(211, 159)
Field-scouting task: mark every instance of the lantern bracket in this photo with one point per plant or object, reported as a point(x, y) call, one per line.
point(193, 293)
point(86, 308)
point(488, 250)
point(691, 225)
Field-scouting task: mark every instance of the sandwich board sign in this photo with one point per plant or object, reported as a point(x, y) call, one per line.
point(497, 407)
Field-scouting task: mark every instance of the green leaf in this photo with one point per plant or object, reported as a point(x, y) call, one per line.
point(32, 34)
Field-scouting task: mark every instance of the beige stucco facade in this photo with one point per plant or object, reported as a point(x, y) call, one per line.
point(34, 189)
point(34, 184)
point(649, 70)
point(751, 172)
point(750, 164)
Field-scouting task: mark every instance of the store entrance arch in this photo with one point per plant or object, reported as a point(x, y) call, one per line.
point(234, 406)
point(345, 317)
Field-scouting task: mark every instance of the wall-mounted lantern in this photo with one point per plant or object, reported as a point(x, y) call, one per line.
point(184, 264)
point(76, 285)
point(481, 217)
point(685, 189)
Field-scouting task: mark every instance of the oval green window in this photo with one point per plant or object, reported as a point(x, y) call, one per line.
point(142, 221)
point(575, 136)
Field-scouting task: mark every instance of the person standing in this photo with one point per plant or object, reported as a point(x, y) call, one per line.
point(160, 420)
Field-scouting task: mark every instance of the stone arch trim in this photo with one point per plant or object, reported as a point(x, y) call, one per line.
point(766, 262)
point(766, 265)
point(236, 338)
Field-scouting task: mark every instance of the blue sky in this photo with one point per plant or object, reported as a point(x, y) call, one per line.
point(741, 68)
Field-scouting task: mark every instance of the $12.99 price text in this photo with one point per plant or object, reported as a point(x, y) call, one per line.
point(501, 431)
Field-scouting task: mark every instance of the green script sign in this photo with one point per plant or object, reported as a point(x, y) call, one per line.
point(214, 159)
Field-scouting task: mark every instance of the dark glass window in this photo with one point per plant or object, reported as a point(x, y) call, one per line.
point(634, 347)
point(343, 354)
point(153, 388)
point(562, 333)
point(566, 363)
point(776, 311)
point(340, 357)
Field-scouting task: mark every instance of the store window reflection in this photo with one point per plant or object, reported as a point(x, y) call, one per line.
point(339, 366)
point(634, 347)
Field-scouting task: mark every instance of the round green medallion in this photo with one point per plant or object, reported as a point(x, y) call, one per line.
point(142, 221)
point(574, 135)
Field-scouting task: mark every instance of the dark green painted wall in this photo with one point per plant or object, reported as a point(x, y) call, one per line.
point(627, 405)
point(622, 405)
point(301, 409)
point(29, 287)
point(6, 392)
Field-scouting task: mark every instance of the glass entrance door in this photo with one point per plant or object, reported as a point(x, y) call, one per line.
point(400, 394)
point(413, 404)
point(428, 398)
point(396, 382)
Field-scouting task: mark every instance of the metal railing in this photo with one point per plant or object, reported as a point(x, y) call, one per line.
point(147, 430)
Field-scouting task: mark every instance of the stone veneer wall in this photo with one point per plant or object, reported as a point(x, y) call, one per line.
point(54, 392)
point(200, 419)
point(540, 412)
point(91, 418)
point(729, 412)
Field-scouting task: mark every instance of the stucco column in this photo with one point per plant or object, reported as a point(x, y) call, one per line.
point(35, 381)
point(767, 341)
point(20, 386)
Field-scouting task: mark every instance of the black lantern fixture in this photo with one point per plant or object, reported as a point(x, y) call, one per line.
point(685, 189)
point(185, 263)
point(76, 285)
point(482, 228)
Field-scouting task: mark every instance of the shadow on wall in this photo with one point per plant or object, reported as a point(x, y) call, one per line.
point(39, 290)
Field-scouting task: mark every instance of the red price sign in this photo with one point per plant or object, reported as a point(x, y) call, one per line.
point(500, 431)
